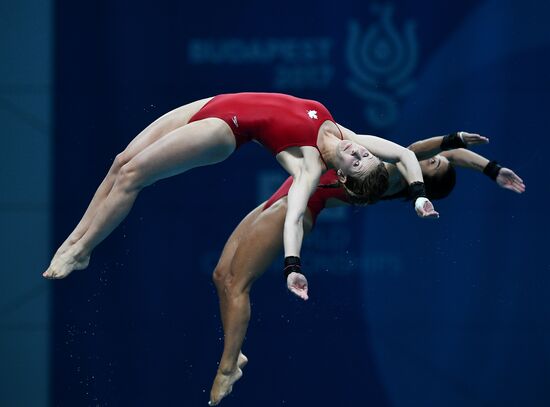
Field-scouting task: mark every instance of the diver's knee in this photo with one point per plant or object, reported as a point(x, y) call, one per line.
point(120, 160)
point(235, 289)
point(131, 177)
point(219, 275)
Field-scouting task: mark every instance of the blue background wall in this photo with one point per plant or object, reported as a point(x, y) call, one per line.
point(403, 312)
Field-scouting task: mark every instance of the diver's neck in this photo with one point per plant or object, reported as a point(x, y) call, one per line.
point(328, 145)
point(396, 181)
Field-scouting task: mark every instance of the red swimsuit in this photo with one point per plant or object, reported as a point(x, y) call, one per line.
point(275, 120)
point(317, 202)
point(278, 122)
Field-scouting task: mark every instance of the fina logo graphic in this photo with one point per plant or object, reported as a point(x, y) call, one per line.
point(382, 61)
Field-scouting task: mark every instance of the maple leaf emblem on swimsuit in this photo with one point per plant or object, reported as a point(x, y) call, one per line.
point(312, 114)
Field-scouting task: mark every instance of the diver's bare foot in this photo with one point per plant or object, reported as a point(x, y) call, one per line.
point(223, 385)
point(63, 264)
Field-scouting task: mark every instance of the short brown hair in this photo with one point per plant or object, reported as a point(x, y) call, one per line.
point(367, 190)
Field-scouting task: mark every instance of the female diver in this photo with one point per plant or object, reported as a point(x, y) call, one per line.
point(301, 134)
point(257, 240)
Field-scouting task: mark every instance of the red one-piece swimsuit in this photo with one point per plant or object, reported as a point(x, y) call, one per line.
point(275, 120)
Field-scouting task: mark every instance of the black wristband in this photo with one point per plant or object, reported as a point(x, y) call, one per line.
point(417, 190)
point(292, 265)
point(492, 169)
point(452, 141)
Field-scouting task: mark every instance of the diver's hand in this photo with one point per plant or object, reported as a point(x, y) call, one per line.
point(508, 179)
point(297, 284)
point(425, 209)
point(471, 139)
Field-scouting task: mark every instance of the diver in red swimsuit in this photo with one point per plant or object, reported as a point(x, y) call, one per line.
point(257, 240)
point(300, 133)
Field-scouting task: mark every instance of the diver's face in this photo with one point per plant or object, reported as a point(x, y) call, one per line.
point(434, 166)
point(355, 160)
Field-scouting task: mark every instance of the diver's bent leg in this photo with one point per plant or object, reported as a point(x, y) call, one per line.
point(223, 268)
point(255, 251)
point(200, 143)
point(162, 126)
point(222, 271)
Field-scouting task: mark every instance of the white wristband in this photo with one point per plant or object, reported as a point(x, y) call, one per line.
point(419, 203)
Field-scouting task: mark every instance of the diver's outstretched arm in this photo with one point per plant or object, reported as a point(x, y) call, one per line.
point(504, 177)
point(460, 157)
point(429, 147)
